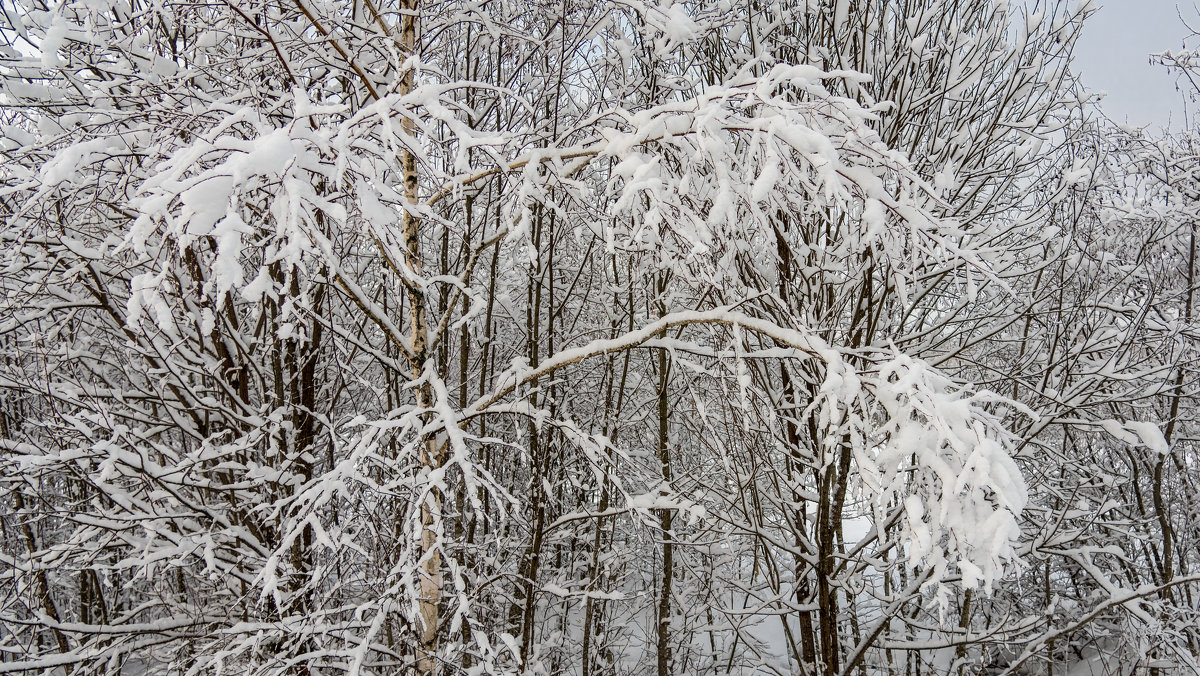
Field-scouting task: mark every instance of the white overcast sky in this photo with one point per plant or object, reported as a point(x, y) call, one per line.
point(1112, 55)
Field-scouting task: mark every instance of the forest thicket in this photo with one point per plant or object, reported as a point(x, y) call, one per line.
point(440, 337)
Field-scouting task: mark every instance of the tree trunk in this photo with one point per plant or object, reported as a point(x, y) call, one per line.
point(430, 455)
point(664, 517)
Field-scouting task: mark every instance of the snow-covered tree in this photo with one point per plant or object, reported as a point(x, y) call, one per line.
point(631, 337)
